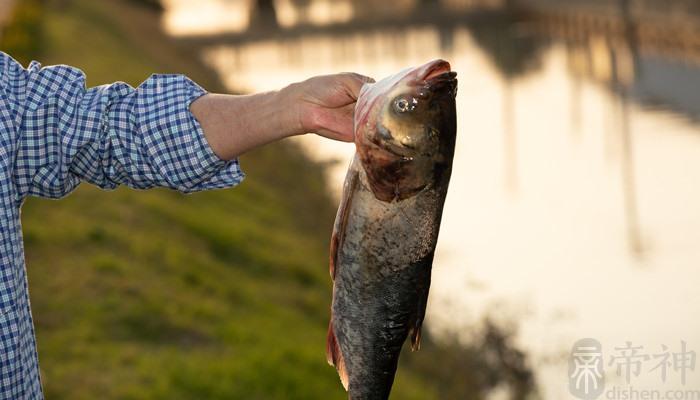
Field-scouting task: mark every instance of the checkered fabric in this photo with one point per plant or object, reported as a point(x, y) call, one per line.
point(55, 133)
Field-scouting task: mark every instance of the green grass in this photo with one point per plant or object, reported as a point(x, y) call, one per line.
point(18, 37)
point(158, 295)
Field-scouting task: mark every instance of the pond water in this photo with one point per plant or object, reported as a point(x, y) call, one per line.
point(574, 206)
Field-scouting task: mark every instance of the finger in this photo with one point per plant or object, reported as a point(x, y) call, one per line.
point(353, 82)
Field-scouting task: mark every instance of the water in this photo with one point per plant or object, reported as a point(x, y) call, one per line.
point(574, 207)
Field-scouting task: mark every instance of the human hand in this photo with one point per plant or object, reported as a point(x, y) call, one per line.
point(324, 104)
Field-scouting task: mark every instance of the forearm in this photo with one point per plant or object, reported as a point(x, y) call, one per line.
point(324, 105)
point(234, 125)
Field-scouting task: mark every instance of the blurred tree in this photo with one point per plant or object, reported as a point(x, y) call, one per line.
point(472, 371)
point(511, 52)
point(302, 9)
point(264, 13)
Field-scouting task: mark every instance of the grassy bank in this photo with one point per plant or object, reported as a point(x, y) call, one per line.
point(148, 295)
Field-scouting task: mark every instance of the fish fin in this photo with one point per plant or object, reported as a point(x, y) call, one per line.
point(335, 357)
point(333, 354)
point(422, 289)
point(415, 338)
point(335, 244)
point(341, 218)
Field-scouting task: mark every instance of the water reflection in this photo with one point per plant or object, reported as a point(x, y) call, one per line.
point(205, 16)
point(574, 202)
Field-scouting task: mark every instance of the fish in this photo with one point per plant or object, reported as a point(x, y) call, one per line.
point(387, 224)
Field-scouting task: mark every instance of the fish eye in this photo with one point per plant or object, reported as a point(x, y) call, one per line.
point(403, 104)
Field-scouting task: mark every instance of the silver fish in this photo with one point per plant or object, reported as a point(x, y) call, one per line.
point(387, 224)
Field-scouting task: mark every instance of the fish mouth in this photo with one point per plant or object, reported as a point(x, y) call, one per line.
point(386, 142)
point(433, 69)
point(402, 152)
point(437, 71)
point(436, 75)
point(442, 77)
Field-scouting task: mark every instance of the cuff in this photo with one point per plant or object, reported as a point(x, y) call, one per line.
point(219, 173)
point(184, 158)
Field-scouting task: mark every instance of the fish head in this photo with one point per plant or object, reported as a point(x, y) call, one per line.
point(405, 128)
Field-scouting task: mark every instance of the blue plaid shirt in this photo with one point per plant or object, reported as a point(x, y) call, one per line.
point(55, 133)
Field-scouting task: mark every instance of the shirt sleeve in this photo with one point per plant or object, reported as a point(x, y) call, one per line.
point(107, 135)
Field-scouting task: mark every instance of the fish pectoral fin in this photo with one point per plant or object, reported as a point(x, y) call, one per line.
point(341, 218)
point(422, 288)
point(335, 357)
point(335, 245)
point(415, 338)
